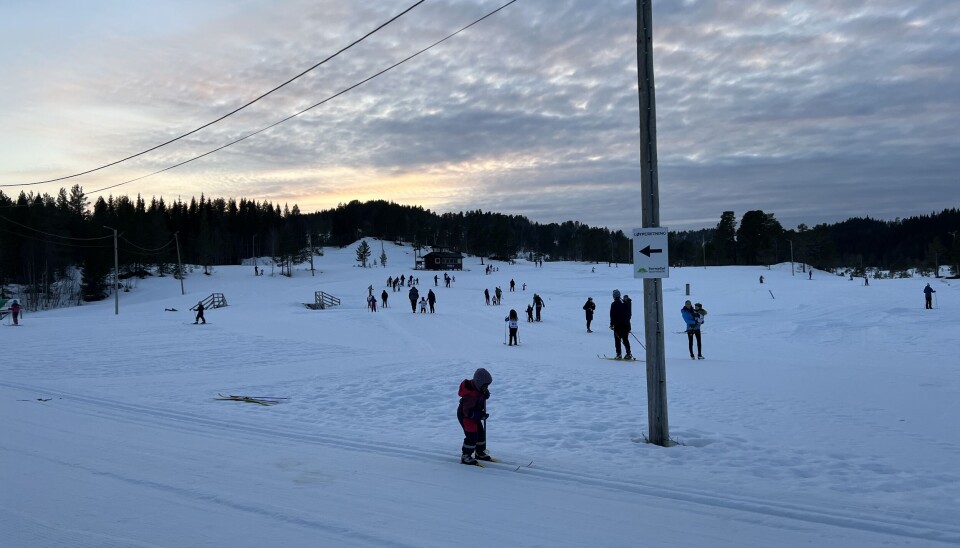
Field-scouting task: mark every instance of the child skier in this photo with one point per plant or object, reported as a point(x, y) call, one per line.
point(513, 323)
point(423, 305)
point(472, 414)
point(529, 312)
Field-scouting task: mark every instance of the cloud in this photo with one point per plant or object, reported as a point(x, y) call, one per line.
point(813, 110)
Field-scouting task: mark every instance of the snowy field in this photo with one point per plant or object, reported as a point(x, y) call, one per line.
point(825, 414)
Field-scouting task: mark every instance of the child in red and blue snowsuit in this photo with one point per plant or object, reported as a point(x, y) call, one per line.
point(471, 413)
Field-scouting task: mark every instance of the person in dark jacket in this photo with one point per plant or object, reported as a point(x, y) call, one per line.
point(431, 299)
point(15, 312)
point(529, 312)
point(620, 315)
point(537, 304)
point(486, 295)
point(693, 321)
point(928, 295)
point(471, 414)
point(383, 299)
point(414, 294)
point(200, 317)
point(588, 308)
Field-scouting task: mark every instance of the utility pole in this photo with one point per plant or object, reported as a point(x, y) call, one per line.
point(116, 274)
point(253, 249)
point(703, 246)
point(791, 257)
point(310, 247)
point(649, 188)
point(176, 236)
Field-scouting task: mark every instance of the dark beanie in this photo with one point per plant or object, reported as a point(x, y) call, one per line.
point(481, 377)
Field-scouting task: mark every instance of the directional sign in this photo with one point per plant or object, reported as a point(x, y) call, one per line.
point(650, 253)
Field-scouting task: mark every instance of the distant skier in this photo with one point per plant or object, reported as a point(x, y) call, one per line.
point(431, 299)
point(471, 414)
point(529, 312)
point(537, 304)
point(693, 321)
point(513, 324)
point(414, 296)
point(436, 280)
point(383, 299)
point(200, 317)
point(372, 303)
point(810, 274)
point(513, 285)
point(761, 279)
point(498, 293)
point(588, 308)
point(486, 295)
point(620, 316)
point(423, 305)
point(928, 295)
point(15, 312)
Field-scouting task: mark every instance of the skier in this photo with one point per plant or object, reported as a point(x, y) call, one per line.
point(499, 295)
point(383, 299)
point(761, 279)
point(372, 303)
point(486, 295)
point(529, 312)
point(928, 295)
point(512, 323)
point(513, 285)
point(471, 413)
point(620, 315)
point(15, 312)
point(589, 307)
point(538, 304)
point(423, 305)
point(436, 280)
point(414, 295)
point(200, 317)
point(693, 321)
point(431, 299)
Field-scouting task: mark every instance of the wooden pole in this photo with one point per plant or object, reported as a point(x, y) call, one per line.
point(116, 274)
point(176, 236)
point(649, 188)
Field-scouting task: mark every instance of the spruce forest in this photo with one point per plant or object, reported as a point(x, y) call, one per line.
point(58, 251)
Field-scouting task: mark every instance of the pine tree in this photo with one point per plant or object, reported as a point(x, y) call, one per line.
point(363, 253)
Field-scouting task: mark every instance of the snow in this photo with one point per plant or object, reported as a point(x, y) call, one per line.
point(824, 414)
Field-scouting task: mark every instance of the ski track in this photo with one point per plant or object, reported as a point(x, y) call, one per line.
point(907, 527)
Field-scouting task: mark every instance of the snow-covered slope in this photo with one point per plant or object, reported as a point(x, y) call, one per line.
point(824, 414)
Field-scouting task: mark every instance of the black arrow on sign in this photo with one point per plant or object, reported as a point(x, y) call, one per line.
point(647, 251)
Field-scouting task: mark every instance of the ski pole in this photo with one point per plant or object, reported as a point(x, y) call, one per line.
point(638, 340)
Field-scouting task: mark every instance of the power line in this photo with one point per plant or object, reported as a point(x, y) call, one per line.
point(330, 98)
point(231, 113)
point(54, 235)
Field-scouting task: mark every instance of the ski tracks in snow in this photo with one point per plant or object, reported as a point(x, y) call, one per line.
point(710, 502)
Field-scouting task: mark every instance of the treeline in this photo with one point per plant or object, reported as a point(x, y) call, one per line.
point(45, 241)
point(859, 244)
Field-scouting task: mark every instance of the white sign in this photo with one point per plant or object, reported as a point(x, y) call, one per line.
point(650, 258)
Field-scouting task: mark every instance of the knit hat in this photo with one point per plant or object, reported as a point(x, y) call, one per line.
point(616, 293)
point(688, 303)
point(481, 378)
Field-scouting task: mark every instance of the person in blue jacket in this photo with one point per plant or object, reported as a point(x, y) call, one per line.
point(692, 319)
point(928, 295)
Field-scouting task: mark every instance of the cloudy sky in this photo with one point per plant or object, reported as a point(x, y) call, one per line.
point(814, 110)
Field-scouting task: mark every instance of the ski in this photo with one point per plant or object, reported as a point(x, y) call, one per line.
point(605, 357)
point(247, 399)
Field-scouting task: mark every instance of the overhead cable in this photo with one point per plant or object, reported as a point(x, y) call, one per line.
point(334, 96)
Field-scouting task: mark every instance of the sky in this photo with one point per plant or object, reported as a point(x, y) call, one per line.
point(815, 110)
point(823, 417)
